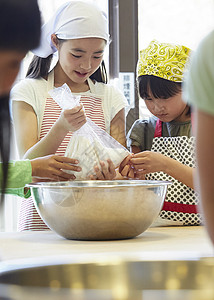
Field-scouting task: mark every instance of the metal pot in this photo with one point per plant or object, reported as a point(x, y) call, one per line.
point(99, 210)
point(113, 280)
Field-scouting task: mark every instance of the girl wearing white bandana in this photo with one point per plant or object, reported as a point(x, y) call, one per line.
point(78, 34)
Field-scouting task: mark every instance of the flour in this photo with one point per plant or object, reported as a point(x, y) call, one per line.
point(90, 154)
point(89, 144)
point(95, 213)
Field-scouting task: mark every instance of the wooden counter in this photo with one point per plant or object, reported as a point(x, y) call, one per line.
point(159, 243)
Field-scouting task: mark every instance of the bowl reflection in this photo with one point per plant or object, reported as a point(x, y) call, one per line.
point(130, 280)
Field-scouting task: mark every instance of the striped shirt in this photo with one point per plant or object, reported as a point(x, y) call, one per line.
point(29, 218)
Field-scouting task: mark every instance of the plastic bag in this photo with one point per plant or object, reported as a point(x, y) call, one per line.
point(89, 144)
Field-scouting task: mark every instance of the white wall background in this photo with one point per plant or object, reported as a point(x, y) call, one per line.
point(184, 22)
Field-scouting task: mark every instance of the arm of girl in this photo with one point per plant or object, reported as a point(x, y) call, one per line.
point(148, 162)
point(26, 129)
point(205, 170)
point(52, 167)
point(117, 130)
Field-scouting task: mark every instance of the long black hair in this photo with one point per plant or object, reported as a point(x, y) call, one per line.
point(20, 28)
point(39, 67)
point(158, 87)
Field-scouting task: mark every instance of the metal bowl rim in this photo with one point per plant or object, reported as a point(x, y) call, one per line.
point(99, 184)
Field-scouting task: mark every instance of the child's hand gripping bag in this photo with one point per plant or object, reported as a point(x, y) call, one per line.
point(89, 144)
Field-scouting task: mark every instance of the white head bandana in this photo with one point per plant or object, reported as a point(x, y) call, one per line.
point(73, 20)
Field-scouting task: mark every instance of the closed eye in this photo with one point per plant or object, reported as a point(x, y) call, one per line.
point(76, 56)
point(98, 57)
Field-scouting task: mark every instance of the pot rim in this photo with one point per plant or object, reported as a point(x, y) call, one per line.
point(99, 183)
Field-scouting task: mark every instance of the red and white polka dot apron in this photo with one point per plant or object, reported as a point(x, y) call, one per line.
point(181, 201)
point(29, 219)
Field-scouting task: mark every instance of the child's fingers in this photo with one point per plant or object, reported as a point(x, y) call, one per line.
point(65, 166)
point(111, 167)
point(99, 173)
point(75, 109)
point(139, 160)
point(91, 177)
point(63, 177)
point(104, 170)
point(125, 170)
point(140, 176)
point(64, 159)
point(108, 170)
point(125, 162)
point(131, 173)
point(141, 172)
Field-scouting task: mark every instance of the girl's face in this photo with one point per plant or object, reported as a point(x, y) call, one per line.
point(9, 68)
point(80, 58)
point(169, 109)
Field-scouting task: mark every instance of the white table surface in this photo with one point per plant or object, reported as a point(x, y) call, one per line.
point(159, 243)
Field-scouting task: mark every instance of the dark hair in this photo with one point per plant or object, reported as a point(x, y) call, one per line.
point(20, 27)
point(39, 67)
point(4, 139)
point(158, 87)
point(20, 24)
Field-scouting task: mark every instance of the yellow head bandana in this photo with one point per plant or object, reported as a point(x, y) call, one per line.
point(163, 60)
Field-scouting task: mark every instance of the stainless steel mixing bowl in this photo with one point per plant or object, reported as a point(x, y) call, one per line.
point(113, 280)
point(99, 210)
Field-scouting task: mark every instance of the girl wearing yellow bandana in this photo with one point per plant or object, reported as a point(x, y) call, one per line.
point(163, 145)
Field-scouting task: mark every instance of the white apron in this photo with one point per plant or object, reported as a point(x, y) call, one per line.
point(29, 219)
point(181, 203)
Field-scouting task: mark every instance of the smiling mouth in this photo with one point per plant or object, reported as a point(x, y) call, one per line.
point(161, 115)
point(81, 74)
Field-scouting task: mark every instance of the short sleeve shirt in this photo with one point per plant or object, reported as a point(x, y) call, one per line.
point(34, 92)
point(142, 132)
point(19, 174)
point(198, 87)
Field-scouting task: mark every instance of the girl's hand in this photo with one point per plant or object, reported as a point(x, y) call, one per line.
point(126, 169)
point(148, 162)
point(107, 171)
point(51, 167)
point(72, 119)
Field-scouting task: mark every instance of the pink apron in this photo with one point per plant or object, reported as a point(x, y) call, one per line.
point(29, 219)
point(181, 202)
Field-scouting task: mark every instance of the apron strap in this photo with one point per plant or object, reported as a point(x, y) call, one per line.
point(158, 129)
point(180, 207)
point(50, 81)
point(193, 123)
point(91, 86)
